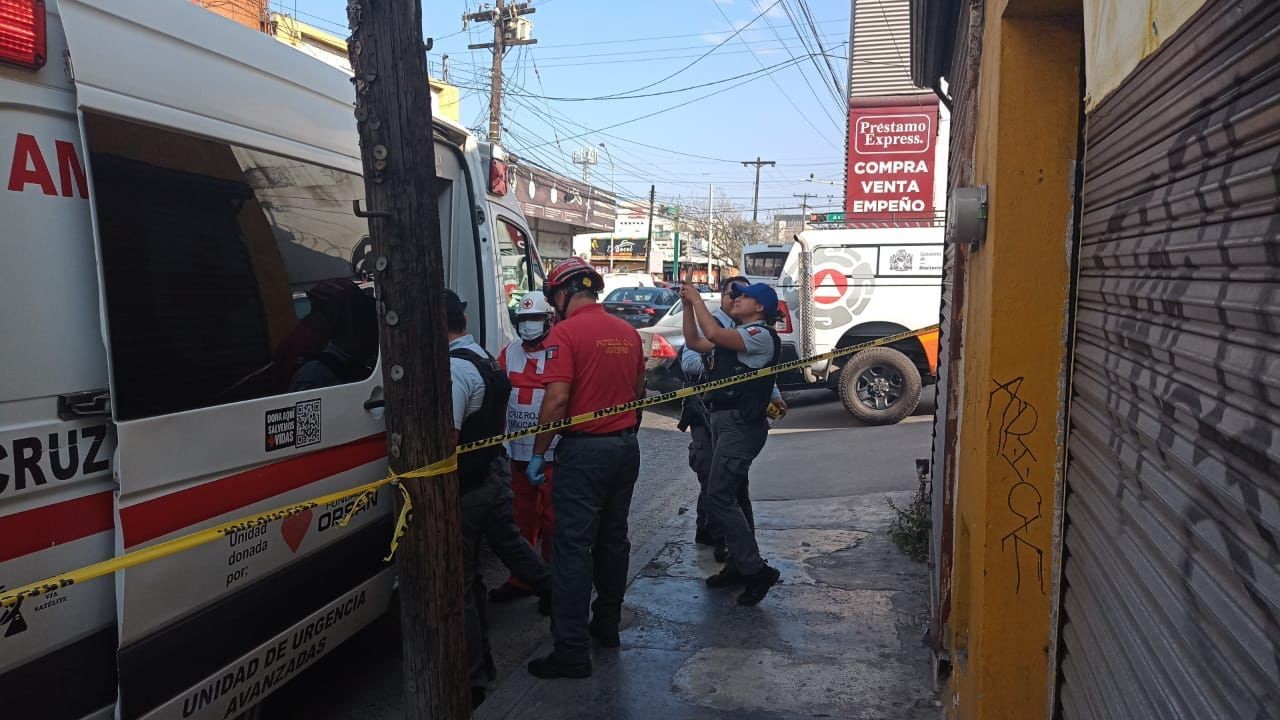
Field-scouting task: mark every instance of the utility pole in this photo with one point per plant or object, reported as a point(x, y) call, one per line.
point(804, 210)
point(613, 190)
point(711, 233)
point(508, 31)
point(755, 203)
point(393, 113)
point(648, 243)
point(586, 157)
point(675, 254)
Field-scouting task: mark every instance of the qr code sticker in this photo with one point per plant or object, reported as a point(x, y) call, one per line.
point(308, 423)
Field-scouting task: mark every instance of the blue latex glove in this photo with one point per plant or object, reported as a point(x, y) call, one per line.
point(537, 471)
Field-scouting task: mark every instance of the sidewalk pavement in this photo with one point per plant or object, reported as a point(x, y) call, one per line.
point(840, 637)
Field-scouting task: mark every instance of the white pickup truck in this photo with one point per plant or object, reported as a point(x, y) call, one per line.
point(175, 185)
point(844, 287)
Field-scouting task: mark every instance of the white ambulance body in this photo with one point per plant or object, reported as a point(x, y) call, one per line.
point(173, 184)
point(849, 286)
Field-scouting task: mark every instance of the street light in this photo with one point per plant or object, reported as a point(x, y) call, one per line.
point(613, 188)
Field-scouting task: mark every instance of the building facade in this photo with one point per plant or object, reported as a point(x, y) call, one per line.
point(634, 249)
point(1107, 445)
point(897, 134)
point(785, 227)
point(559, 209)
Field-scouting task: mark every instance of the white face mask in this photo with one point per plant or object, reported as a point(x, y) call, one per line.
point(532, 330)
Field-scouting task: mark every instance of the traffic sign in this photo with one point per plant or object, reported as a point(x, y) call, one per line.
point(831, 217)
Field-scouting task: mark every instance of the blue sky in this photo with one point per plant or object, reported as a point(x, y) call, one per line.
point(592, 48)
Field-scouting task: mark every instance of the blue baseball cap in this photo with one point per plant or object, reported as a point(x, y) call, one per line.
point(764, 295)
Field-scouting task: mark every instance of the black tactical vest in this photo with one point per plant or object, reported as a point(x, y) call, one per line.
point(692, 411)
point(750, 398)
point(489, 420)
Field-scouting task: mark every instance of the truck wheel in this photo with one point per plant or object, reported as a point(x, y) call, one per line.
point(880, 386)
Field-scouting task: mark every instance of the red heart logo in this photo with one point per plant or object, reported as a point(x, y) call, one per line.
point(294, 529)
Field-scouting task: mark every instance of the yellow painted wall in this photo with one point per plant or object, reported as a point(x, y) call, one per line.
point(1009, 449)
point(331, 49)
point(1121, 33)
point(445, 99)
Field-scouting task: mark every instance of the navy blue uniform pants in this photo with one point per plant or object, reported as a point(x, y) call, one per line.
point(737, 442)
point(595, 477)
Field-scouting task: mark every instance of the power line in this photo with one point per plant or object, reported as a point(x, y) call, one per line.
point(629, 41)
point(553, 123)
point(804, 40)
point(803, 75)
point(774, 80)
point(718, 45)
point(817, 37)
point(550, 118)
point(678, 106)
point(680, 48)
point(793, 162)
point(534, 151)
point(660, 93)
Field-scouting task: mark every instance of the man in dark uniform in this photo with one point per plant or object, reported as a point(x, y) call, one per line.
point(693, 416)
point(594, 360)
point(480, 391)
point(739, 423)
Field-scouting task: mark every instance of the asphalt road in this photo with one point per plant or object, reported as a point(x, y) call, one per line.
point(816, 442)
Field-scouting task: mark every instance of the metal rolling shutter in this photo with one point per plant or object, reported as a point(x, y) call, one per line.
point(881, 60)
point(1171, 599)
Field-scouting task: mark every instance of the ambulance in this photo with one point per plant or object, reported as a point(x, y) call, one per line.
point(842, 287)
point(173, 187)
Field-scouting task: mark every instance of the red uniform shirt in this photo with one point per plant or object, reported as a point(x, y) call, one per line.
point(601, 358)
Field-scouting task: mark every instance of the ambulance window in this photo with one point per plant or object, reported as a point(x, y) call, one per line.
point(230, 274)
point(516, 250)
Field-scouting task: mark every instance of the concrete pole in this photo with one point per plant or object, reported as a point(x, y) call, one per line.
point(711, 232)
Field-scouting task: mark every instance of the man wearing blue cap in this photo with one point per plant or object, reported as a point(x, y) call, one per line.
point(739, 422)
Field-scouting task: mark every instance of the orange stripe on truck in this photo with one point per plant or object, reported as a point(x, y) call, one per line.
point(930, 342)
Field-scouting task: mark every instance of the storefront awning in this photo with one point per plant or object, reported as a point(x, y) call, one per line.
point(545, 195)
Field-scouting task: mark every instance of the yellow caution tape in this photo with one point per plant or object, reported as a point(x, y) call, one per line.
point(217, 532)
point(692, 390)
point(402, 521)
point(364, 493)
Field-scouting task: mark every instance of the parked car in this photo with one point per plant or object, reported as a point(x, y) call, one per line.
point(662, 344)
point(617, 281)
point(641, 307)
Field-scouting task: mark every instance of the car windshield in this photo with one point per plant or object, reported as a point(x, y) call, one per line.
point(635, 295)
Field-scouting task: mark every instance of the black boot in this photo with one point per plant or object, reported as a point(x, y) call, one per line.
point(477, 696)
point(508, 592)
point(551, 667)
point(758, 585)
point(728, 577)
point(606, 636)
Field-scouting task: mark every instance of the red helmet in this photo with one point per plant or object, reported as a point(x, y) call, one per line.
point(575, 273)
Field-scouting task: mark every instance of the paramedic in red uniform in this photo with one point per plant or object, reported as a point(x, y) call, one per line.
point(524, 361)
point(594, 361)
